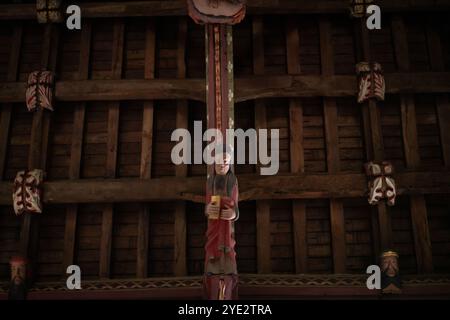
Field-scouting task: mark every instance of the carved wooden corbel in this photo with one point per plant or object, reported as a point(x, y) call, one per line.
point(39, 94)
point(358, 7)
point(216, 11)
point(27, 192)
point(370, 81)
point(381, 182)
point(49, 11)
point(390, 273)
point(18, 283)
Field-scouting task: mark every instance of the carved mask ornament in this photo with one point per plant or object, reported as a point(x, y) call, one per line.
point(381, 183)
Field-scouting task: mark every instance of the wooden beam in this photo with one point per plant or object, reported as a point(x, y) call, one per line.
point(411, 148)
point(443, 113)
point(421, 231)
point(178, 8)
point(5, 113)
point(263, 236)
point(29, 233)
point(255, 187)
point(258, 45)
point(5, 121)
point(182, 118)
point(106, 241)
point(381, 220)
point(409, 131)
point(146, 153)
point(296, 147)
point(76, 148)
point(111, 149)
point(262, 207)
point(332, 144)
point(248, 88)
point(435, 53)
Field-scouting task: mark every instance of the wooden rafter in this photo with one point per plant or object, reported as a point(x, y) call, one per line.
point(422, 240)
point(146, 153)
point(182, 118)
point(262, 207)
point(332, 145)
point(5, 112)
point(296, 147)
point(76, 148)
point(111, 146)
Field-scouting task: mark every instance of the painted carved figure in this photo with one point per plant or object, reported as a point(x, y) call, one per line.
point(49, 11)
point(381, 183)
point(220, 280)
point(358, 8)
point(39, 94)
point(390, 278)
point(17, 289)
point(216, 11)
point(371, 81)
point(27, 192)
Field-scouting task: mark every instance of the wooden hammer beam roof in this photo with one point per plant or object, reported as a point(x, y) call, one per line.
point(249, 88)
point(303, 186)
point(178, 8)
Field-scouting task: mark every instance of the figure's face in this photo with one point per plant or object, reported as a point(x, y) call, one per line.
point(18, 273)
point(390, 266)
point(222, 164)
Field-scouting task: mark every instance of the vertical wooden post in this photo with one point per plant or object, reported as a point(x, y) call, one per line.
point(5, 113)
point(29, 233)
point(111, 150)
point(180, 268)
point(419, 218)
point(146, 153)
point(262, 206)
point(331, 134)
point(76, 148)
point(296, 147)
point(381, 221)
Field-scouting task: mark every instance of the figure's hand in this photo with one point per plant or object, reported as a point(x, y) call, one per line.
point(212, 211)
point(228, 214)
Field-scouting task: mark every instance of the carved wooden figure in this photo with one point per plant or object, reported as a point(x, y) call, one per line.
point(371, 81)
point(49, 11)
point(222, 196)
point(39, 94)
point(390, 277)
point(358, 7)
point(27, 192)
point(18, 285)
point(381, 183)
point(220, 281)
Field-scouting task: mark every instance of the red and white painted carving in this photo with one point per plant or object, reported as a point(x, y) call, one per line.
point(39, 93)
point(27, 192)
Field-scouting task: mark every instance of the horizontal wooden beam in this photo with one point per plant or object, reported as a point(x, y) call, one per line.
point(178, 8)
point(254, 87)
point(251, 286)
point(302, 186)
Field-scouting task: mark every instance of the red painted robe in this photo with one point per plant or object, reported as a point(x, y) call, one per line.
point(220, 258)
